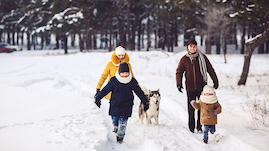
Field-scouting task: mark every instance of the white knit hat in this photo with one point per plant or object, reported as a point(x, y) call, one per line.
point(120, 50)
point(208, 89)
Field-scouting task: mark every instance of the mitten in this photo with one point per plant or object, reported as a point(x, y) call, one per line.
point(146, 106)
point(98, 103)
point(192, 102)
point(97, 91)
point(215, 112)
point(179, 87)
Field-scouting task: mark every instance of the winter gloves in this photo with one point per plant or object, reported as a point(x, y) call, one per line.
point(179, 87)
point(215, 112)
point(216, 85)
point(97, 91)
point(98, 103)
point(146, 106)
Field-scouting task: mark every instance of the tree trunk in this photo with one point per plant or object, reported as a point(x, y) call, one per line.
point(132, 42)
point(22, 37)
point(89, 40)
point(17, 35)
point(81, 42)
point(94, 42)
point(33, 41)
point(13, 34)
point(176, 32)
point(208, 42)
point(148, 34)
point(110, 34)
point(166, 34)
point(139, 36)
point(128, 41)
point(65, 44)
point(243, 39)
point(42, 42)
point(8, 34)
point(217, 38)
point(225, 45)
point(28, 41)
point(267, 46)
point(250, 46)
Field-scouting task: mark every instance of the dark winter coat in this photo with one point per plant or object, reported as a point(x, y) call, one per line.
point(121, 102)
point(194, 79)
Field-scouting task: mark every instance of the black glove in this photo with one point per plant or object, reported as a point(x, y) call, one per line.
point(98, 103)
point(179, 87)
point(216, 85)
point(97, 91)
point(146, 106)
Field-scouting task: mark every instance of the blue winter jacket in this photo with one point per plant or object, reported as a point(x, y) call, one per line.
point(121, 101)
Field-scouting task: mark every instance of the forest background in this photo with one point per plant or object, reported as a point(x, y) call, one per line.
point(137, 24)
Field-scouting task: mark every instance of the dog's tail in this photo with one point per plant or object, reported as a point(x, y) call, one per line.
point(145, 90)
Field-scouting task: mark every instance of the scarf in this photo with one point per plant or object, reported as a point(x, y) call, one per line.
point(202, 62)
point(211, 99)
point(122, 79)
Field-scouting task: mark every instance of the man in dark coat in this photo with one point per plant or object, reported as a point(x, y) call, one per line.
point(195, 66)
point(122, 86)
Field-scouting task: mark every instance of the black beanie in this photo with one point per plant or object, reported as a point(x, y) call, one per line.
point(123, 67)
point(192, 41)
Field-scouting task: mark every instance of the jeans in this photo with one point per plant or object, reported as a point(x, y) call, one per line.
point(119, 125)
point(210, 128)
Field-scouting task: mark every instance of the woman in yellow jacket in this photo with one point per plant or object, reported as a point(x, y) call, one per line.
point(118, 56)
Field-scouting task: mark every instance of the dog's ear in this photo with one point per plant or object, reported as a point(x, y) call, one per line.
point(158, 90)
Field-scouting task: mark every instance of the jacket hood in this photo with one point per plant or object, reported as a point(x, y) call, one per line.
point(116, 61)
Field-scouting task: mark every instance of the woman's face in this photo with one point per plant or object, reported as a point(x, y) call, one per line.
point(120, 57)
point(124, 74)
point(192, 48)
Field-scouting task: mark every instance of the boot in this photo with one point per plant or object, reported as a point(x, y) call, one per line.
point(205, 139)
point(119, 139)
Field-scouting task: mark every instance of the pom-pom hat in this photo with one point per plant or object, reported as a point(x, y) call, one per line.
point(120, 51)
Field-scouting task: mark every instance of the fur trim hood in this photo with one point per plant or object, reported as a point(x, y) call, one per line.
point(116, 61)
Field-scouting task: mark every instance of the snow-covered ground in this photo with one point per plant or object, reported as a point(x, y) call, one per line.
point(46, 104)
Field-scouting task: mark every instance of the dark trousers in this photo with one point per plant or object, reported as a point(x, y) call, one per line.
point(193, 96)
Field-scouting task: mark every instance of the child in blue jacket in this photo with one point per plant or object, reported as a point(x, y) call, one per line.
point(122, 86)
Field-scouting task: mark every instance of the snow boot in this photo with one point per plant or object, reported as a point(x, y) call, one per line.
point(205, 140)
point(119, 139)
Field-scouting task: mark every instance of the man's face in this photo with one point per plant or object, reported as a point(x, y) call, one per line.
point(192, 48)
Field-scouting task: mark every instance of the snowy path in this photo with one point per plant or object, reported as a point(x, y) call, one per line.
point(47, 104)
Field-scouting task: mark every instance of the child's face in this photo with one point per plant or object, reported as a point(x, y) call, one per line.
point(124, 74)
point(208, 94)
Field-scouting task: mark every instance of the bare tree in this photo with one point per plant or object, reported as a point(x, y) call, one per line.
point(250, 45)
point(216, 23)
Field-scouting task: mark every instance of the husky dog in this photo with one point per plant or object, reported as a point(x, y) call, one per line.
point(154, 98)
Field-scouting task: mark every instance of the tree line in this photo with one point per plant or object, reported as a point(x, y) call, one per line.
point(134, 24)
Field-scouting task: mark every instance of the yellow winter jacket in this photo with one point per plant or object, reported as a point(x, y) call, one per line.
point(111, 69)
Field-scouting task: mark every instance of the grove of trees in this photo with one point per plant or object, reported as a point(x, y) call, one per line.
point(136, 24)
